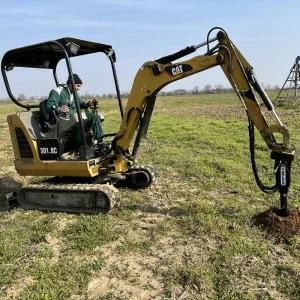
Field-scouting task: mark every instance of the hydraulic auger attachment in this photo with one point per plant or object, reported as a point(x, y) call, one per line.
point(282, 168)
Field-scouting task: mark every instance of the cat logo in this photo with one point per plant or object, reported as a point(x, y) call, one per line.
point(177, 70)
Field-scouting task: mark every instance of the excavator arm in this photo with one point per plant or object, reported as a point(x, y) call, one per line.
point(154, 75)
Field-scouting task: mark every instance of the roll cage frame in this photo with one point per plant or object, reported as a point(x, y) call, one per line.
point(47, 55)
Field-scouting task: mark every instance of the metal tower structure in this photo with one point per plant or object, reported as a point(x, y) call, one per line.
point(291, 87)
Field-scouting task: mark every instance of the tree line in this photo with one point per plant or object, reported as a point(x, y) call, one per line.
point(207, 89)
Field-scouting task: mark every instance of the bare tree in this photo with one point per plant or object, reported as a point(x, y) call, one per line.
point(21, 97)
point(195, 90)
point(219, 88)
point(207, 89)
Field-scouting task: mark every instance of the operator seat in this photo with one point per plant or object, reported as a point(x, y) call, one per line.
point(48, 120)
point(57, 128)
point(51, 122)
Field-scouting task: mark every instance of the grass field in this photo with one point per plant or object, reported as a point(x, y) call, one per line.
point(189, 236)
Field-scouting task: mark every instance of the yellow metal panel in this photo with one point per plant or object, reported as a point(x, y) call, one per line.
point(36, 167)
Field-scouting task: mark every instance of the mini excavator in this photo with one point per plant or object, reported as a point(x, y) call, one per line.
point(88, 184)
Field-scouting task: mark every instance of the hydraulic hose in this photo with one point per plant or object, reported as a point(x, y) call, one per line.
point(265, 189)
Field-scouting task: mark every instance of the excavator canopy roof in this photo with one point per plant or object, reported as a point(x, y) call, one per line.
point(47, 55)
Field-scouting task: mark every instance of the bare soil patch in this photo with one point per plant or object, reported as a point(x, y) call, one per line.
point(21, 283)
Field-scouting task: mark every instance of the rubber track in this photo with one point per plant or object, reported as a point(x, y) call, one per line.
point(109, 190)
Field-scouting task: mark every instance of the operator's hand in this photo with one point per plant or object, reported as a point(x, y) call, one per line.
point(92, 103)
point(89, 103)
point(64, 109)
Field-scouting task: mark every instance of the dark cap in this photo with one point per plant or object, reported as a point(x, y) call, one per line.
point(77, 80)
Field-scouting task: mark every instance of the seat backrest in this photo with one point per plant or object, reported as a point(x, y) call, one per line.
point(47, 119)
point(44, 114)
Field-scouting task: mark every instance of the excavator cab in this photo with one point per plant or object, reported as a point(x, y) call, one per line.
point(38, 135)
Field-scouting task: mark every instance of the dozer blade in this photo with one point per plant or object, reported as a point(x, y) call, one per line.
point(69, 198)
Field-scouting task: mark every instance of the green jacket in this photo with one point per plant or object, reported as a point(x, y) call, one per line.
point(62, 96)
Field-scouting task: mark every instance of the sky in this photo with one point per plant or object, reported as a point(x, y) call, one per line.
point(266, 32)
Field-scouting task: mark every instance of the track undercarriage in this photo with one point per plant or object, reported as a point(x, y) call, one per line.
point(81, 195)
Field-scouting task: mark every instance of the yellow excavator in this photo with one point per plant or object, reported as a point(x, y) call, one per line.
point(88, 184)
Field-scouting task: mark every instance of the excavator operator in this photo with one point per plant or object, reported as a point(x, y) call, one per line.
point(61, 101)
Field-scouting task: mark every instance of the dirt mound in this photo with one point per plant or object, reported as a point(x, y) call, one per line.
point(281, 228)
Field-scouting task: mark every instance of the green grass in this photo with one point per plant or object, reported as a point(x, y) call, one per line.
point(89, 232)
point(191, 231)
